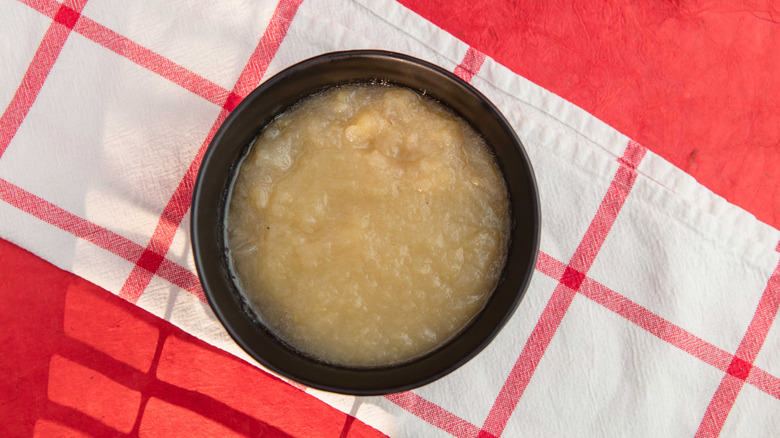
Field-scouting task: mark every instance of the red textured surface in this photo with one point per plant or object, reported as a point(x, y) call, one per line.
point(79, 360)
point(696, 81)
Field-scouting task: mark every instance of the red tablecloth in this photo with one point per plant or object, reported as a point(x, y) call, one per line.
point(694, 83)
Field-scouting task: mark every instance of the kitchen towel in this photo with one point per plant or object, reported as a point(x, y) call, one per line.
point(651, 310)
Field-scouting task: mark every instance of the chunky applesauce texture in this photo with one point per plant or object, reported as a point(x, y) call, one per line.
point(368, 225)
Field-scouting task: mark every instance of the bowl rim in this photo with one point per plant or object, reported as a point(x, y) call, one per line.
point(405, 383)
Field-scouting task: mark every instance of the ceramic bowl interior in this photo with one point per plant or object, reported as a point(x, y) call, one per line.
point(275, 96)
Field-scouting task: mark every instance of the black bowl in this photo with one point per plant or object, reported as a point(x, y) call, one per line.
point(275, 96)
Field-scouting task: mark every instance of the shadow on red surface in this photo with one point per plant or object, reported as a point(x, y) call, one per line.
point(81, 361)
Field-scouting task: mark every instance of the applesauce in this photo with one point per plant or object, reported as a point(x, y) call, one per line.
point(367, 225)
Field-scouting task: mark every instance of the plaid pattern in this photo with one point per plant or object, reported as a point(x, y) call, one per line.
point(653, 305)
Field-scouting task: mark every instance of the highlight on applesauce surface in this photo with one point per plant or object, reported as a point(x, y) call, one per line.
point(367, 225)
